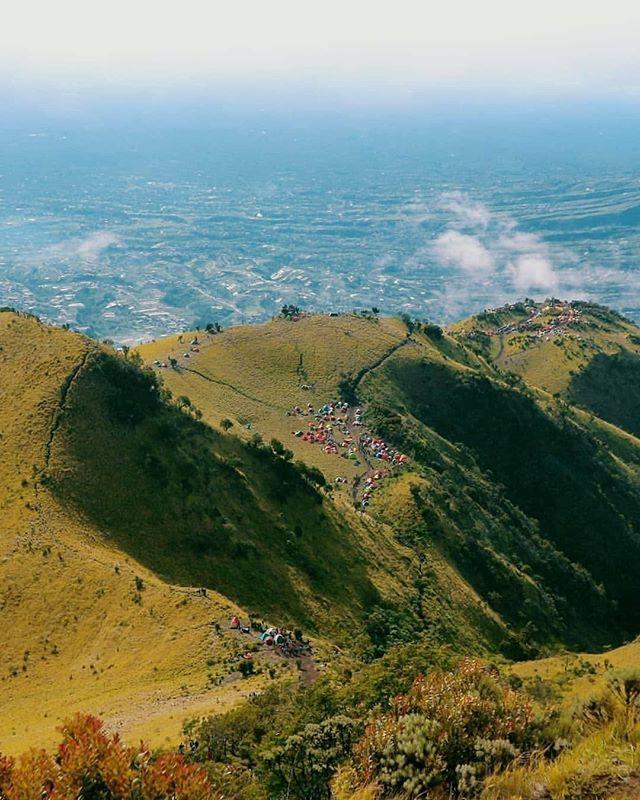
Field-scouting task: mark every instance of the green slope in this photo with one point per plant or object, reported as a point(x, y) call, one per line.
point(507, 491)
point(514, 527)
point(572, 504)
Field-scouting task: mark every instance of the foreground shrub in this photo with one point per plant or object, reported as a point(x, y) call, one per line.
point(91, 764)
point(302, 767)
point(450, 730)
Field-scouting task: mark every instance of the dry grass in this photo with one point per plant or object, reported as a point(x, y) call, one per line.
point(73, 635)
point(253, 374)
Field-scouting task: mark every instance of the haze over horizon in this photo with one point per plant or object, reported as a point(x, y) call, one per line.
point(164, 164)
point(395, 51)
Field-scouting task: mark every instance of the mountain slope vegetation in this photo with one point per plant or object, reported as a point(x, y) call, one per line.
point(141, 503)
point(508, 488)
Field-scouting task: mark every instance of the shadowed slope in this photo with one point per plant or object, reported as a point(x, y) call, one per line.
point(586, 504)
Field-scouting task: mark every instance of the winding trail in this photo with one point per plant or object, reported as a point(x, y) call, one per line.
point(366, 370)
point(371, 468)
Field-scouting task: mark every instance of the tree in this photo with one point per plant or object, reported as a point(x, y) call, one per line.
point(288, 311)
point(226, 424)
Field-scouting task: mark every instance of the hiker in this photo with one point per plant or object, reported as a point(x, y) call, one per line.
point(235, 623)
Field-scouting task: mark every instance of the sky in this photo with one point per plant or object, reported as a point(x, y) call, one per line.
point(395, 48)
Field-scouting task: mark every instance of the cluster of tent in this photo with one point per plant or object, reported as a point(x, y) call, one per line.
point(327, 421)
point(371, 484)
point(380, 449)
point(284, 641)
point(195, 348)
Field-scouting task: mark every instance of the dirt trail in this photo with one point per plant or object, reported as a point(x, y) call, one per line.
point(58, 412)
point(230, 386)
point(366, 370)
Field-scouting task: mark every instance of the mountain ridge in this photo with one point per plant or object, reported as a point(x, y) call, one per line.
point(112, 479)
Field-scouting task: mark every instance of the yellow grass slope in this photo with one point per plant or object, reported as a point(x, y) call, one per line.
point(101, 553)
point(253, 374)
point(79, 631)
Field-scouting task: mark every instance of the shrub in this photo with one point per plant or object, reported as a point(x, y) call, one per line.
point(451, 728)
point(305, 763)
point(246, 668)
point(95, 765)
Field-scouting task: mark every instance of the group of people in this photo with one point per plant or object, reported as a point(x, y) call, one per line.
point(286, 642)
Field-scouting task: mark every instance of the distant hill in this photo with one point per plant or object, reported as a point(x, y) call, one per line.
point(585, 353)
point(147, 495)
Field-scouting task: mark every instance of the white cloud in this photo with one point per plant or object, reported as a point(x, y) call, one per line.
point(530, 272)
point(521, 242)
point(463, 251)
point(86, 248)
point(467, 213)
point(91, 246)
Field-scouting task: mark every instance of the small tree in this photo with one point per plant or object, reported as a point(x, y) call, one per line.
point(226, 424)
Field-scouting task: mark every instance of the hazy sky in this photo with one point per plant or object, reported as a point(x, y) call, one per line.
point(399, 44)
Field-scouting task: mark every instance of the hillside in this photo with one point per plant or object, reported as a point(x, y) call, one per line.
point(534, 515)
point(119, 507)
point(584, 353)
point(78, 613)
point(473, 509)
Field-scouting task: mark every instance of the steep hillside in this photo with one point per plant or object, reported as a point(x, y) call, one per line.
point(118, 507)
point(200, 507)
point(140, 506)
point(504, 490)
point(71, 612)
point(580, 500)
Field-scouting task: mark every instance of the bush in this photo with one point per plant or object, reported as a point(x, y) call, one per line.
point(303, 766)
point(246, 668)
point(451, 728)
point(95, 765)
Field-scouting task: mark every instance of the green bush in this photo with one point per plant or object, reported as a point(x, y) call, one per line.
point(303, 766)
